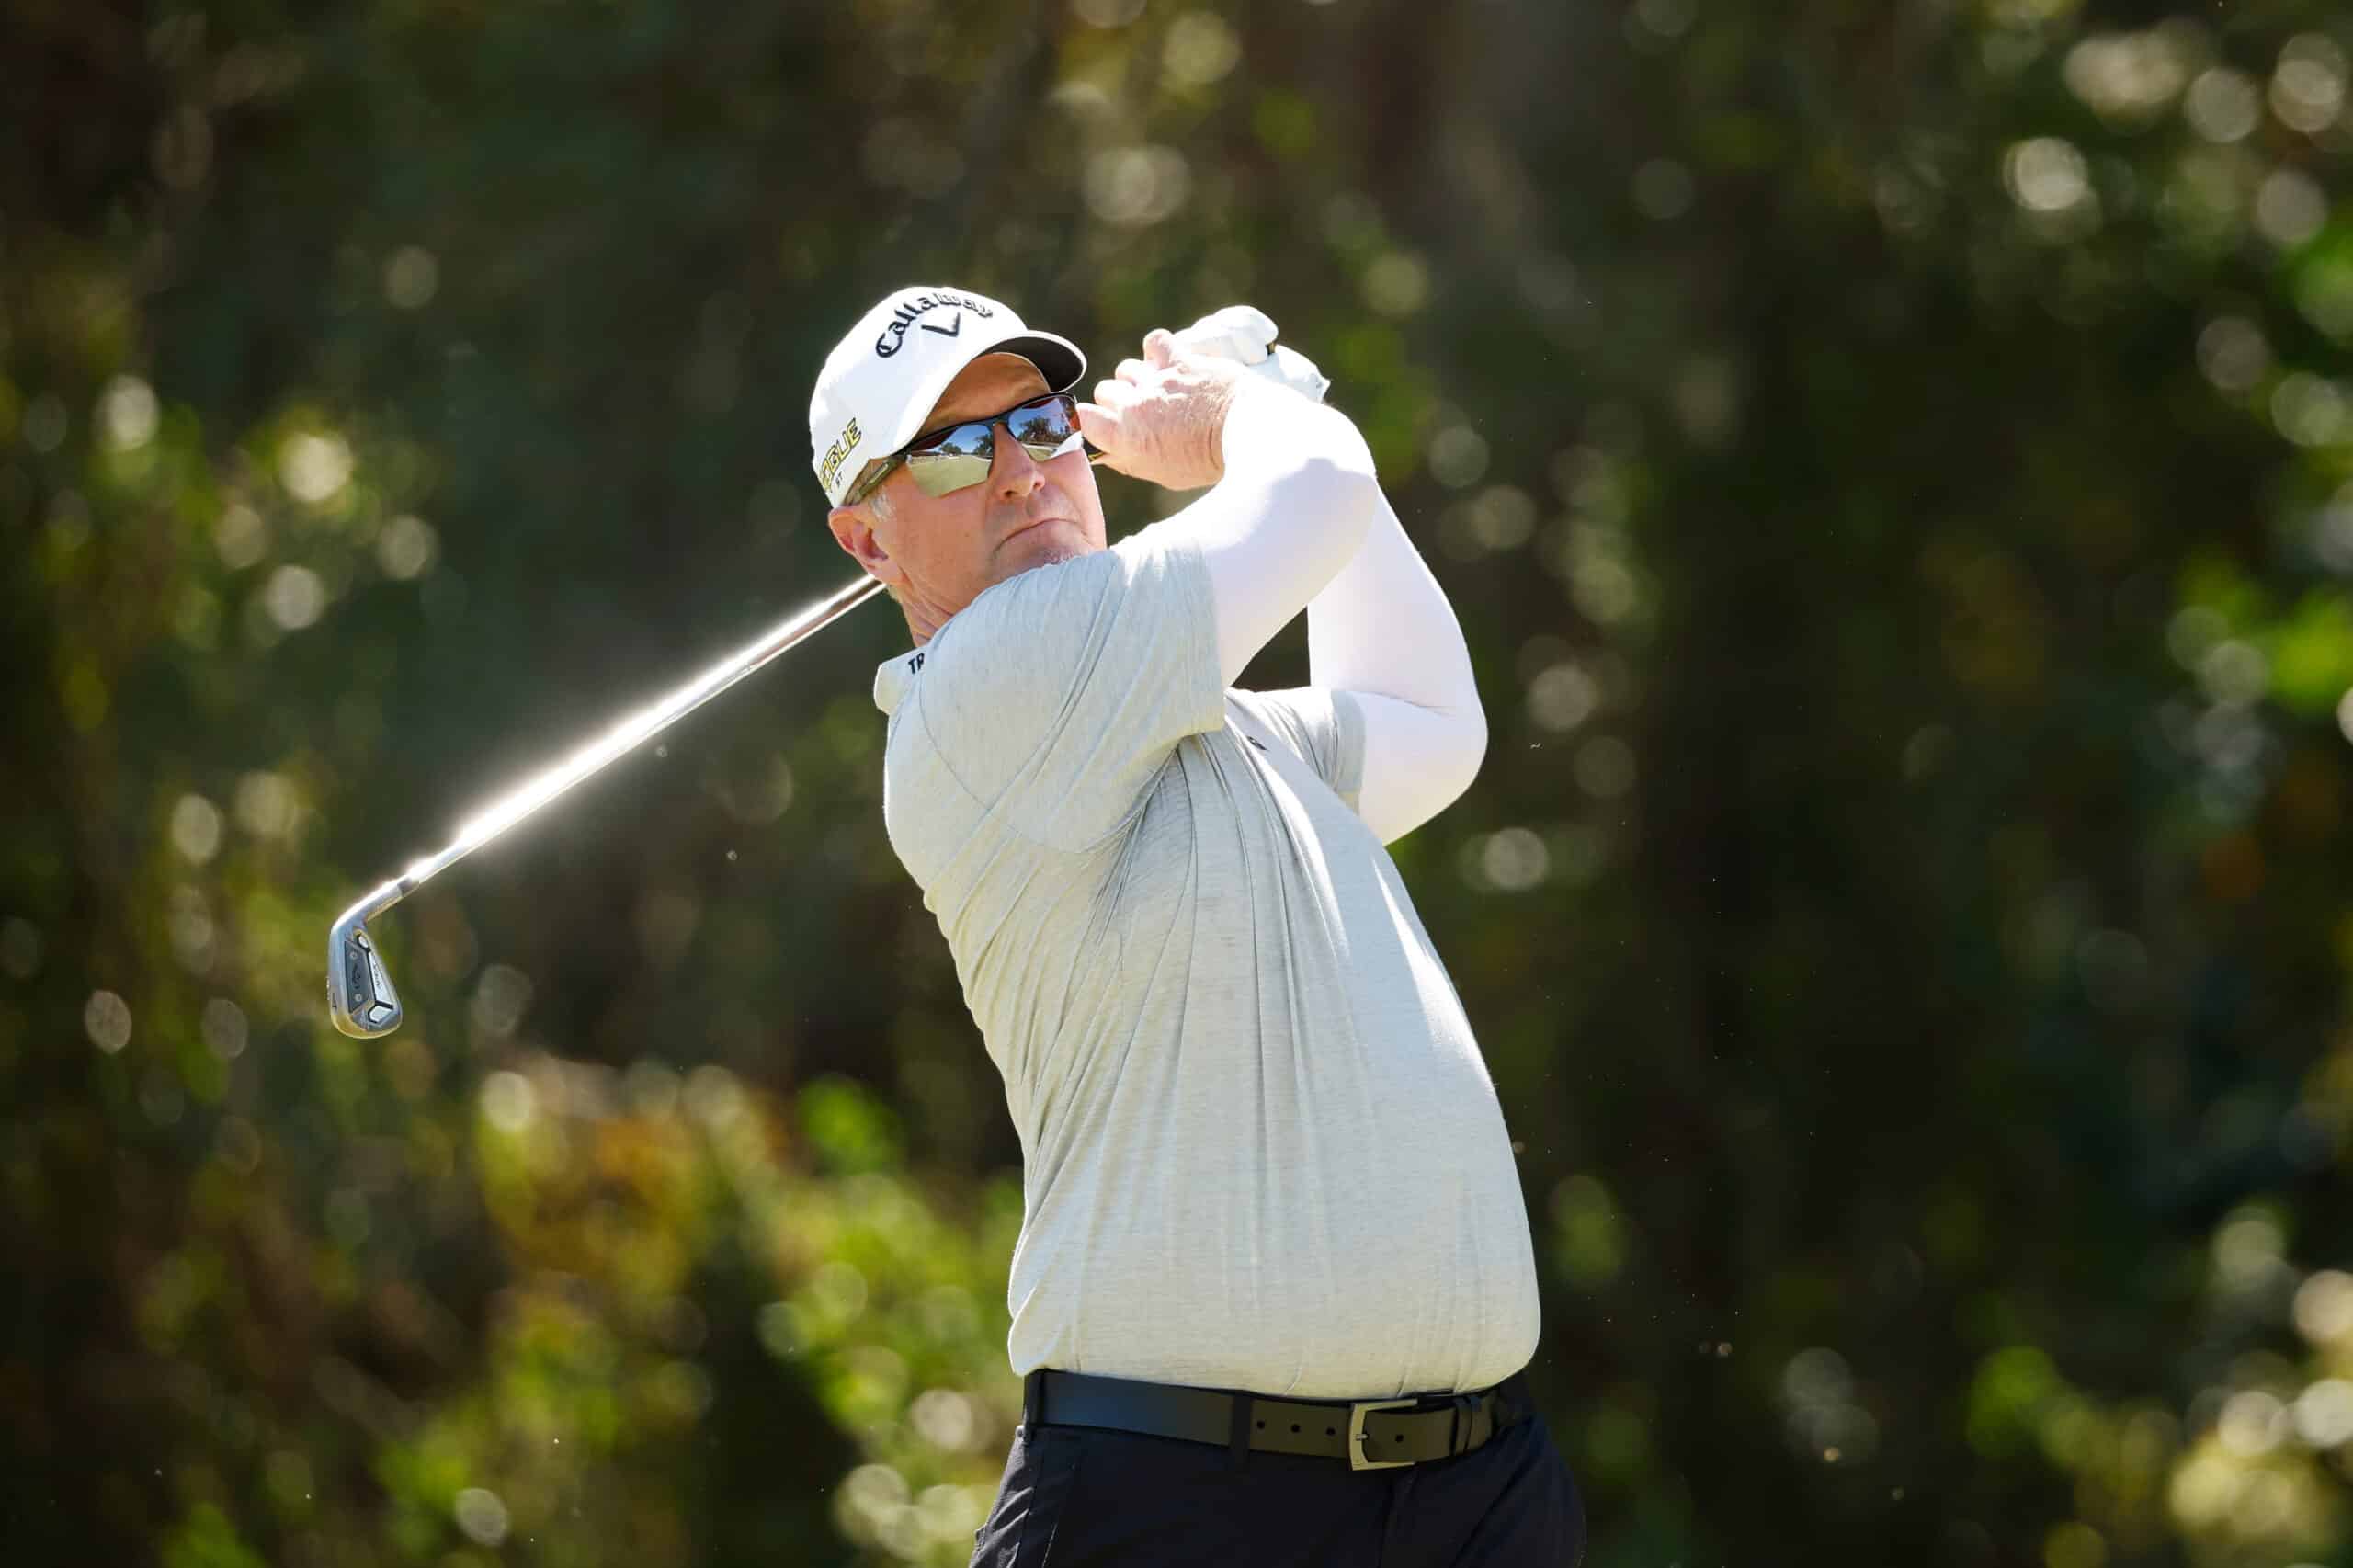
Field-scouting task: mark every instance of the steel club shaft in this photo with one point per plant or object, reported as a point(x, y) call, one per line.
point(360, 996)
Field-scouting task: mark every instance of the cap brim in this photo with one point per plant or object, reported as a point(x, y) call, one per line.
point(1057, 358)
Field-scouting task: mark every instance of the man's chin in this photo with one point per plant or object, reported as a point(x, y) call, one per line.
point(1048, 544)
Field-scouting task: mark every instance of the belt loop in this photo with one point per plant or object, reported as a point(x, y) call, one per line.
point(1033, 1401)
point(1238, 1433)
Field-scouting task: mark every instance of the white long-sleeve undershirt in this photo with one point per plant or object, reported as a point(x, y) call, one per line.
point(1299, 521)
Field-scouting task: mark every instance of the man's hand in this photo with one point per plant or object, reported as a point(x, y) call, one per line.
point(1162, 418)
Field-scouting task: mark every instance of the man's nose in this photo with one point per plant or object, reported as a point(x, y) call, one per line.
point(1014, 473)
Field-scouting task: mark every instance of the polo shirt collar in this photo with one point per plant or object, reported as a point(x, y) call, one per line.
point(895, 677)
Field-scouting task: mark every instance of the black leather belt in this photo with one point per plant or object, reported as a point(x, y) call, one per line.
point(1370, 1434)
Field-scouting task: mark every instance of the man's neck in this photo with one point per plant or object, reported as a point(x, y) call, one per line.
point(924, 618)
point(922, 627)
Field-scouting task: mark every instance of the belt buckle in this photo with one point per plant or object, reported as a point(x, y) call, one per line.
point(1357, 1412)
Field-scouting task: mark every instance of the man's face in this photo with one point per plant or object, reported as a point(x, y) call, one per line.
point(938, 552)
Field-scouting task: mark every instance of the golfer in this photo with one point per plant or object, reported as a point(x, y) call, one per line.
point(1274, 1288)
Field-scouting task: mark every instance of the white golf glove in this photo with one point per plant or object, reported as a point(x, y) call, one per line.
point(1245, 335)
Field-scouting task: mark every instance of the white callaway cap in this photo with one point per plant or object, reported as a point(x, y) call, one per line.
point(881, 379)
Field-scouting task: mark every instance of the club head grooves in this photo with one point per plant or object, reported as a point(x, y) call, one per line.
point(360, 994)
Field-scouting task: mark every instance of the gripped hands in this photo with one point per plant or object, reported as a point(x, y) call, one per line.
point(1162, 418)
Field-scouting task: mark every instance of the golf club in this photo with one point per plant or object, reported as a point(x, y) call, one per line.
point(361, 995)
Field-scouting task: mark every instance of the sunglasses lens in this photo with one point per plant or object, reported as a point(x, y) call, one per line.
point(1045, 427)
point(959, 457)
point(945, 473)
point(955, 458)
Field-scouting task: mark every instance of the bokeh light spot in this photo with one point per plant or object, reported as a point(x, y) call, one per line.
point(296, 597)
point(2075, 1545)
point(313, 468)
point(943, 1418)
point(412, 276)
point(1666, 18)
point(2324, 1307)
point(1199, 49)
point(508, 1101)
point(19, 947)
point(2324, 293)
point(2233, 670)
point(871, 1505)
point(2248, 1248)
point(2252, 1424)
point(2323, 1414)
point(267, 805)
point(127, 413)
point(406, 547)
point(481, 1515)
point(223, 1023)
point(2308, 87)
point(2222, 105)
point(196, 828)
point(2233, 353)
point(2289, 208)
point(2311, 411)
point(1135, 186)
point(1504, 517)
point(188, 921)
point(1458, 457)
point(2126, 79)
point(500, 997)
point(1562, 696)
point(713, 1098)
point(1396, 284)
point(2046, 174)
point(1515, 859)
point(1817, 1375)
point(105, 1018)
point(239, 536)
point(43, 423)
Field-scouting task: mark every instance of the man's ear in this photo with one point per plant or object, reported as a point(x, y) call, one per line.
point(853, 531)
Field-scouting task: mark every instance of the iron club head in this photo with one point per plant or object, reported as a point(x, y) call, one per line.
point(360, 994)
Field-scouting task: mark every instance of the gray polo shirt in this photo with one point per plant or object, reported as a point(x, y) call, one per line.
point(1260, 1147)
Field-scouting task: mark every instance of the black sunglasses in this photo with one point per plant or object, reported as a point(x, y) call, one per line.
point(944, 462)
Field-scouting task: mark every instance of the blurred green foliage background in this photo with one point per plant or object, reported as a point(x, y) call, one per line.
point(1893, 461)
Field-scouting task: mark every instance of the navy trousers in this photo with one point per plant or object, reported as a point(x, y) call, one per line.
point(1080, 1497)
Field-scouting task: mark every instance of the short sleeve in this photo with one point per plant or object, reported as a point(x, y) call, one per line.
point(1057, 695)
point(1324, 728)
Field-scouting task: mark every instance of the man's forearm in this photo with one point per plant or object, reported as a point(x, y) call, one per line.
point(1297, 500)
point(1382, 632)
point(1382, 624)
